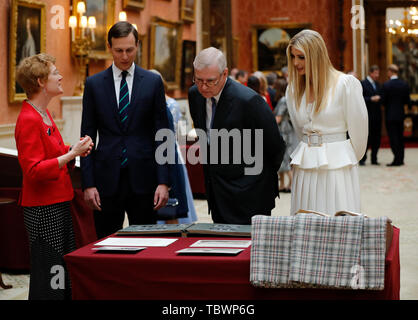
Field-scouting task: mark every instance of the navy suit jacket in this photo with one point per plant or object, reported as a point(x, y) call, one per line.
point(100, 120)
point(373, 108)
point(237, 195)
point(395, 96)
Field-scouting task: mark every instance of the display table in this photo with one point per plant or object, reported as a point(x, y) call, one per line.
point(157, 273)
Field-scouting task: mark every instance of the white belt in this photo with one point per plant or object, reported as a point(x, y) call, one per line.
point(316, 139)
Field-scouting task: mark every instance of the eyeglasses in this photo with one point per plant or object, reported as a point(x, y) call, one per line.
point(208, 83)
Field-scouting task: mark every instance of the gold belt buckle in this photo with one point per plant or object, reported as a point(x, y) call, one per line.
point(314, 139)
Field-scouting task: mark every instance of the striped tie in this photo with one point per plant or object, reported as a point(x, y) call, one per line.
point(123, 111)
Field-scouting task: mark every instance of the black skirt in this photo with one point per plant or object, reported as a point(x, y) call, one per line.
point(51, 236)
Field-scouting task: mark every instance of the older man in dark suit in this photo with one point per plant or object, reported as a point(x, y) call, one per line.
point(372, 97)
point(235, 191)
point(125, 105)
point(395, 96)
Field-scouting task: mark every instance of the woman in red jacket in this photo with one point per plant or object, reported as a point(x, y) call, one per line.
point(46, 188)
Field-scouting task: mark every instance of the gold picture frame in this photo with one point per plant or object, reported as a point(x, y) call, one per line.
point(104, 11)
point(141, 56)
point(166, 50)
point(188, 55)
point(27, 37)
point(133, 4)
point(187, 10)
point(269, 43)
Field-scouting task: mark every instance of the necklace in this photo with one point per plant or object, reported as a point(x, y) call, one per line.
point(42, 113)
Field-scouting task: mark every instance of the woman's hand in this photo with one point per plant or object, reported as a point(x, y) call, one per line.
point(83, 147)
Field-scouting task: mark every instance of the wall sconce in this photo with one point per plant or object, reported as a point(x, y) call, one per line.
point(82, 39)
point(123, 16)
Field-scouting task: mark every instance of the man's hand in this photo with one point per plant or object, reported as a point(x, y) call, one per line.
point(160, 196)
point(375, 98)
point(91, 196)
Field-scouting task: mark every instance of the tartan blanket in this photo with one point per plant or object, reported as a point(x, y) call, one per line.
point(270, 251)
point(312, 251)
point(372, 254)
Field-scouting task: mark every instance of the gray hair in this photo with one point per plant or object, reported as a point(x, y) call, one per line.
point(394, 68)
point(284, 70)
point(271, 78)
point(209, 57)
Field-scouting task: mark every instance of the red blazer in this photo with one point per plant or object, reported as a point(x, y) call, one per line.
point(38, 146)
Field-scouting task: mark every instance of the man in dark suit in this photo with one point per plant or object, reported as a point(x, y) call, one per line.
point(125, 105)
point(372, 97)
point(395, 94)
point(217, 103)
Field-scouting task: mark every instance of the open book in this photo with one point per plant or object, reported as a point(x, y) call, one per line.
point(187, 230)
point(337, 214)
point(219, 229)
point(175, 230)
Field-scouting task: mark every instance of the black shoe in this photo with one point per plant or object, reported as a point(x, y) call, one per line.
point(394, 164)
point(375, 163)
point(362, 163)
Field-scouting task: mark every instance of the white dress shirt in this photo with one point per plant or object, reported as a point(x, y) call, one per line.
point(372, 82)
point(117, 77)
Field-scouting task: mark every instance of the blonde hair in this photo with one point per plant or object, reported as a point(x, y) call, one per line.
point(394, 68)
point(31, 69)
point(318, 68)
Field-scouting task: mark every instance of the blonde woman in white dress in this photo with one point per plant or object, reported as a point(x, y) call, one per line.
point(329, 115)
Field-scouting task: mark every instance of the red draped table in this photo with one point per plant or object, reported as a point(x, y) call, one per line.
point(157, 273)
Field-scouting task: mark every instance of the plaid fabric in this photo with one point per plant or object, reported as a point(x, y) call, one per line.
point(313, 251)
point(270, 251)
point(372, 257)
point(324, 249)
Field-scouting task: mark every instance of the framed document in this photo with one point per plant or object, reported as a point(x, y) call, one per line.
point(209, 251)
point(222, 243)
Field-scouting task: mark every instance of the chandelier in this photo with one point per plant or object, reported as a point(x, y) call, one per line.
point(408, 26)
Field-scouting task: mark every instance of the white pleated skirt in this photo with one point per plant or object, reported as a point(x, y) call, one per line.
point(325, 190)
